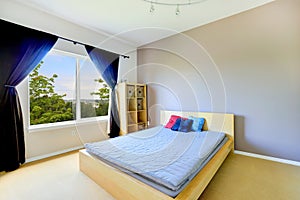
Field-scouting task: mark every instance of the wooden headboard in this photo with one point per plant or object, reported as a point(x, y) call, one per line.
point(222, 122)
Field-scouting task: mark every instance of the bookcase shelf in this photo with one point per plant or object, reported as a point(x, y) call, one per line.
point(132, 99)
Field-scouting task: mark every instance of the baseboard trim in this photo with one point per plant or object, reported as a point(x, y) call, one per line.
point(290, 162)
point(28, 160)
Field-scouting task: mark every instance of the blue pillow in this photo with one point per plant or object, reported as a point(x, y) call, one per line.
point(177, 124)
point(198, 123)
point(185, 125)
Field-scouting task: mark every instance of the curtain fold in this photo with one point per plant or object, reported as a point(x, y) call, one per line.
point(108, 65)
point(21, 51)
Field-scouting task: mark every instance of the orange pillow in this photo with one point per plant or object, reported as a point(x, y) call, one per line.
point(172, 121)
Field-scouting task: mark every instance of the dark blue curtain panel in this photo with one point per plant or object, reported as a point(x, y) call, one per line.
point(21, 50)
point(108, 65)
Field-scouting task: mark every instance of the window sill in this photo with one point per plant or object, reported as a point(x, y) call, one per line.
point(66, 124)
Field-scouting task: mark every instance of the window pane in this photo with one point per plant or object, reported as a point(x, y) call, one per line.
point(94, 92)
point(52, 90)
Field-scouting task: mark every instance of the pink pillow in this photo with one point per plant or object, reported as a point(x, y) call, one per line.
point(172, 121)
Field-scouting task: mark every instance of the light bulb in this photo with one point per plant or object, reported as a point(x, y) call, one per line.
point(177, 11)
point(152, 8)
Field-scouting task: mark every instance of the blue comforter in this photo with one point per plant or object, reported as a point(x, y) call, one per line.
point(159, 154)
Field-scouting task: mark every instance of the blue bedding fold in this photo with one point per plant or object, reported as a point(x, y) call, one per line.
point(158, 154)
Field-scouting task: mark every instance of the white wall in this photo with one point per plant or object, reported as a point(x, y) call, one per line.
point(44, 142)
point(128, 68)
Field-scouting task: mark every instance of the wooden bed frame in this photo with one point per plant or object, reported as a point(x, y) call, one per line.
point(123, 186)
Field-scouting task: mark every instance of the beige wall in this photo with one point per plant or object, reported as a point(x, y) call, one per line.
point(247, 64)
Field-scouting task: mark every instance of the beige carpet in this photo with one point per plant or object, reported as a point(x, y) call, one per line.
point(53, 179)
point(247, 178)
point(239, 178)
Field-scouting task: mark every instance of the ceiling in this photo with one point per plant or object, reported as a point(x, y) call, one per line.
point(132, 21)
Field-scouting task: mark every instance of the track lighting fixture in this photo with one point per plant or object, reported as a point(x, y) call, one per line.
point(175, 3)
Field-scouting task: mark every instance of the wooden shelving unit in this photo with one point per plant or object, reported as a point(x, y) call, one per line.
point(132, 99)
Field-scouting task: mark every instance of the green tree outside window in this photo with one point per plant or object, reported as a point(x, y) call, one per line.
point(47, 106)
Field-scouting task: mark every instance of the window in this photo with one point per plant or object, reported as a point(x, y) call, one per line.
point(94, 92)
point(66, 87)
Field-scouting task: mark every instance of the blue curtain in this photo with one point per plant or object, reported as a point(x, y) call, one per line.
point(21, 50)
point(108, 65)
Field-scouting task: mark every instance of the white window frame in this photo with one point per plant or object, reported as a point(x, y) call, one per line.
point(78, 120)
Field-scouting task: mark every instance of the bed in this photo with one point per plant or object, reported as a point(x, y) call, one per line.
point(122, 184)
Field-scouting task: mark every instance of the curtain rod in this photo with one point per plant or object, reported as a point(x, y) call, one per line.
point(75, 42)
